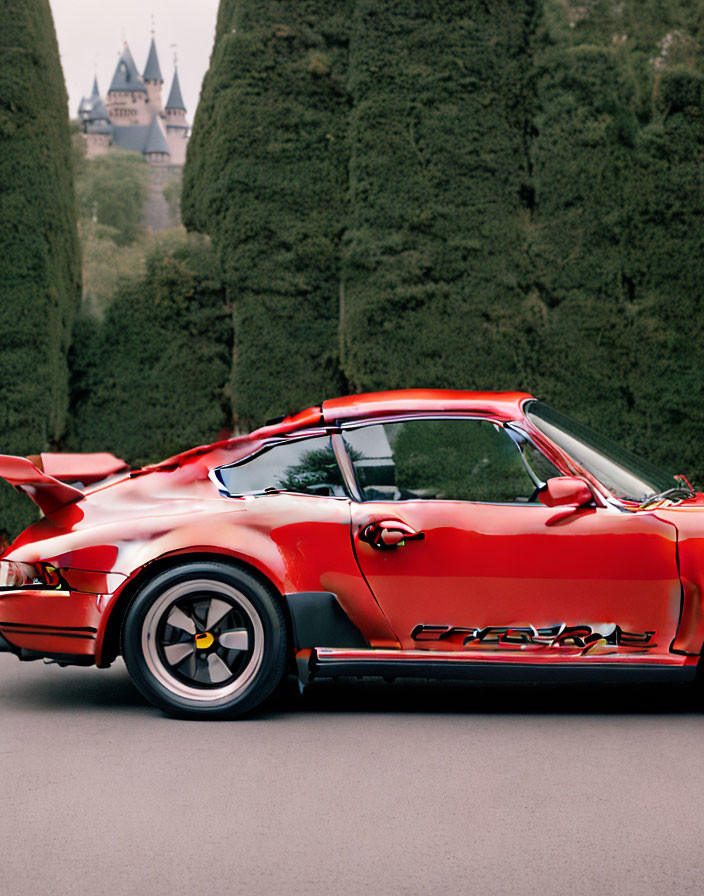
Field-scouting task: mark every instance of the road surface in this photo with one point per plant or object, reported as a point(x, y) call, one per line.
point(354, 788)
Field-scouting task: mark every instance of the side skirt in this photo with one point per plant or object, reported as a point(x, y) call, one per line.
point(63, 659)
point(327, 662)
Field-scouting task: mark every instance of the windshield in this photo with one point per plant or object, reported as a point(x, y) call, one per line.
point(624, 474)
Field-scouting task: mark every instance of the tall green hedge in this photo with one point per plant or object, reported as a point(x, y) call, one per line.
point(517, 203)
point(582, 157)
point(439, 180)
point(151, 378)
point(618, 229)
point(40, 282)
point(266, 178)
point(664, 275)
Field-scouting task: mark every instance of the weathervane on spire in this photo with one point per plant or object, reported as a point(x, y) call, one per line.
point(153, 25)
point(174, 47)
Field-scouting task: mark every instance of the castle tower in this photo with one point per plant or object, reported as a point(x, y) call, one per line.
point(128, 97)
point(97, 129)
point(132, 118)
point(156, 149)
point(177, 128)
point(87, 103)
point(153, 79)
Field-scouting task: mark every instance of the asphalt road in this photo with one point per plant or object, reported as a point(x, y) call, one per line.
point(409, 788)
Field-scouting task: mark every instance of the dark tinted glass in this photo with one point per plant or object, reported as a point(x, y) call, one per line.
point(623, 473)
point(454, 460)
point(307, 466)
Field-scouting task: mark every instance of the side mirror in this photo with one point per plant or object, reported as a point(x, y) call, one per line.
point(566, 490)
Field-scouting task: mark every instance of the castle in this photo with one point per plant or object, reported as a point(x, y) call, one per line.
point(132, 116)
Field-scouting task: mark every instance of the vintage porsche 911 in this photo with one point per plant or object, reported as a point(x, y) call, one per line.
point(420, 533)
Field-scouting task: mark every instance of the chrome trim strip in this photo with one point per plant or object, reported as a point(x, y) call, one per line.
point(462, 656)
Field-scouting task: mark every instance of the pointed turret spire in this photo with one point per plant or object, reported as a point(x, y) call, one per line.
point(98, 112)
point(98, 120)
point(126, 77)
point(152, 70)
point(156, 139)
point(95, 92)
point(175, 100)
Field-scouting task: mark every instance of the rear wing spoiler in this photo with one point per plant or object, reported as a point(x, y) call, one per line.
point(46, 477)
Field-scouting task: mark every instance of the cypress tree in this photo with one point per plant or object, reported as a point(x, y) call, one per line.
point(439, 192)
point(266, 177)
point(151, 378)
point(582, 158)
point(664, 276)
point(40, 284)
point(523, 204)
point(618, 228)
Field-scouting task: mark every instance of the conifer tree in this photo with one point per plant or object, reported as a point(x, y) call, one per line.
point(439, 189)
point(151, 378)
point(267, 179)
point(517, 204)
point(40, 283)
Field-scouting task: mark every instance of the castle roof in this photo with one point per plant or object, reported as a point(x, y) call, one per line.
point(133, 136)
point(156, 138)
point(175, 100)
point(126, 77)
point(97, 118)
point(98, 126)
point(98, 112)
point(88, 102)
point(152, 70)
point(144, 138)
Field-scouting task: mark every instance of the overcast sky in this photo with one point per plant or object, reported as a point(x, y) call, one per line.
point(91, 33)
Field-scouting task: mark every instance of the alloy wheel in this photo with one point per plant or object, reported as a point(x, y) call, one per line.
point(203, 640)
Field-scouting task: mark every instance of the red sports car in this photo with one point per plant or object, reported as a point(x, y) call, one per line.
point(431, 534)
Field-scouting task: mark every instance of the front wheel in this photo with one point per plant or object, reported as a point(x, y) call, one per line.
point(205, 640)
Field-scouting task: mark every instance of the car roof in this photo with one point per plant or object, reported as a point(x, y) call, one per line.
point(502, 405)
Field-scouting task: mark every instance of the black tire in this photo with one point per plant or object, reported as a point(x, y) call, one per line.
point(193, 665)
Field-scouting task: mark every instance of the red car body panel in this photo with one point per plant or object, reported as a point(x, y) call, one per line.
point(523, 566)
point(85, 468)
point(688, 521)
point(494, 583)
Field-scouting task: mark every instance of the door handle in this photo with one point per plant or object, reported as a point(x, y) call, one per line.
point(384, 535)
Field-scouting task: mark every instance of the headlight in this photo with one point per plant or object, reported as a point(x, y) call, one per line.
point(28, 575)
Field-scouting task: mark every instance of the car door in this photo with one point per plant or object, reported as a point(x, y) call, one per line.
point(460, 555)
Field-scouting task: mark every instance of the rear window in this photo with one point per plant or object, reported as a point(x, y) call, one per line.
point(304, 466)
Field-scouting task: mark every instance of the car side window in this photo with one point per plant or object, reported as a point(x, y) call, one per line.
point(452, 459)
point(304, 466)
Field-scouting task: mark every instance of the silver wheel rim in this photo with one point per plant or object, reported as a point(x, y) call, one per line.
point(177, 648)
